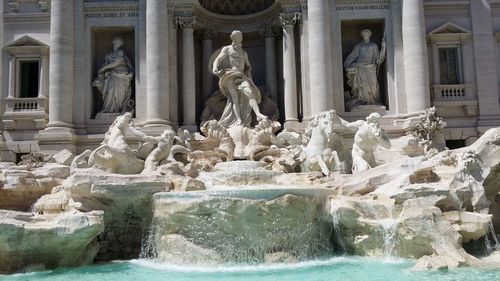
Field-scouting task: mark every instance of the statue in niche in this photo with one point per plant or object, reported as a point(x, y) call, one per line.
point(362, 68)
point(114, 80)
point(233, 68)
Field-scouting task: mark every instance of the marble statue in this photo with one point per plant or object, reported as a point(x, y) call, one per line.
point(161, 152)
point(368, 136)
point(233, 68)
point(321, 153)
point(115, 155)
point(362, 67)
point(114, 80)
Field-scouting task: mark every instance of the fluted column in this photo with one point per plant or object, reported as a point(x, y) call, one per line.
point(208, 77)
point(157, 64)
point(61, 65)
point(320, 71)
point(289, 66)
point(415, 56)
point(188, 73)
point(272, 85)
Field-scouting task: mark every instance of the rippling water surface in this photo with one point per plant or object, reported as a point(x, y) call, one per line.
point(339, 268)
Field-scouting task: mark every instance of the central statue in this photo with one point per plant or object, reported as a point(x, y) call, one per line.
point(233, 68)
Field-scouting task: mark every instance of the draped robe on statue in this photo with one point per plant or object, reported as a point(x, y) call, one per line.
point(234, 79)
point(361, 66)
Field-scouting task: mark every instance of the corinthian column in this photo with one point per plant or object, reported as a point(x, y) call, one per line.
point(289, 68)
point(271, 82)
point(157, 64)
point(188, 73)
point(415, 56)
point(61, 65)
point(320, 71)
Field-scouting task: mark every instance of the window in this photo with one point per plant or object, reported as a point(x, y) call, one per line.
point(448, 66)
point(29, 71)
point(454, 144)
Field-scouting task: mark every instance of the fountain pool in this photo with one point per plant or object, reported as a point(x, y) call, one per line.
point(337, 268)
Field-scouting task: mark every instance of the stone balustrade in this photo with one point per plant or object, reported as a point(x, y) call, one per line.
point(456, 92)
point(25, 104)
point(32, 110)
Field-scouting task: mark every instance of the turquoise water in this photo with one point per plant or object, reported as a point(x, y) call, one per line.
point(340, 268)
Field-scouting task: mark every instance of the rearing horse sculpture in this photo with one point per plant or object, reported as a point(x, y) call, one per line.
point(322, 151)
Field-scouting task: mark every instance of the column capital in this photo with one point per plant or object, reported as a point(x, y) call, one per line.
point(186, 22)
point(290, 19)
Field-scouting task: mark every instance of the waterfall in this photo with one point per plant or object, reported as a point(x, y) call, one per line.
point(493, 244)
point(148, 247)
point(389, 225)
point(336, 229)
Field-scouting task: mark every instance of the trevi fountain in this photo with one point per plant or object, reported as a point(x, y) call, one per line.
point(246, 199)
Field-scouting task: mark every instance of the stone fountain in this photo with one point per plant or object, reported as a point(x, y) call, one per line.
point(242, 191)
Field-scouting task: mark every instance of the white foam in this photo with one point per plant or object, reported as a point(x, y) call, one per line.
point(261, 267)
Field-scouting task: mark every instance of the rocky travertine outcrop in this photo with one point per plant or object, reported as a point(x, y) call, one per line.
point(423, 208)
point(241, 225)
point(29, 241)
point(21, 186)
point(126, 202)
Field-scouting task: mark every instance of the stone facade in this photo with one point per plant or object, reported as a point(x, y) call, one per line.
point(441, 53)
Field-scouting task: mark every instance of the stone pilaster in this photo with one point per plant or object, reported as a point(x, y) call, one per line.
point(188, 73)
point(208, 77)
point(415, 56)
point(288, 22)
point(320, 66)
point(486, 69)
point(271, 78)
point(157, 64)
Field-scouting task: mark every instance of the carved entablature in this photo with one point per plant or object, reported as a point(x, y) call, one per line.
point(245, 23)
point(451, 8)
point(107, 10)
point(27, 11)
point(348, 5)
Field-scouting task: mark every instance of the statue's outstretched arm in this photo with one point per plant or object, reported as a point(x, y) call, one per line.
point(136, 132)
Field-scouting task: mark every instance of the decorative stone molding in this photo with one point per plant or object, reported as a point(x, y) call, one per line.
point(26, 18)
point(347, 5)
point(107, 10)
point(186, 22)
point(447, 8)
point(290, 19)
